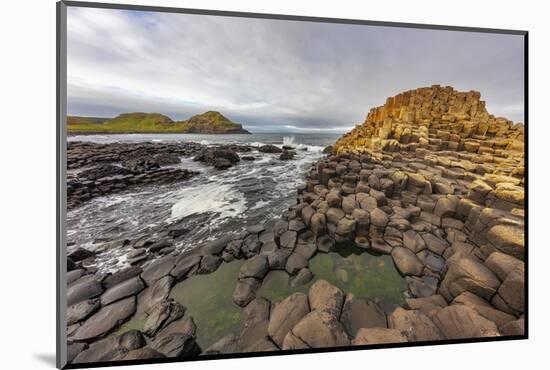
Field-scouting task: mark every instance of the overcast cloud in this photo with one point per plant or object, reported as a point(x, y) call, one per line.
point(273, 75)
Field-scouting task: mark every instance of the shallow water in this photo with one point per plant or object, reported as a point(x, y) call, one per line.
point(353, 270)
point(209, 300)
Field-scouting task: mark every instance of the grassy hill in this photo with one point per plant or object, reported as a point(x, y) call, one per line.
point(206, 123)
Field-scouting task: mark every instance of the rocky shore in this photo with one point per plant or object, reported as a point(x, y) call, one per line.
point(430, 179)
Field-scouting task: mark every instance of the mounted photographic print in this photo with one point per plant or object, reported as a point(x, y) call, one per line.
point(236, 184)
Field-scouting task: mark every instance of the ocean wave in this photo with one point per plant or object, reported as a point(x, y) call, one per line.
point(213, 197)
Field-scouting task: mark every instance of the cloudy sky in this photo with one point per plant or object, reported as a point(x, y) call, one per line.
point(273, 75)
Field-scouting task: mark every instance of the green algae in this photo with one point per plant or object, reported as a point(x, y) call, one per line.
point(209, 300)
point(351, 269)
point(135, 323)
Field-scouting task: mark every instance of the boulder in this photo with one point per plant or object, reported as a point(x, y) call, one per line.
point(120, 276)
point(512, 290)
point(460, 322)
point(285, 315)
point(502, 264)
point(185, 265)
point(105, 320)
point(406, 261)
point(162, 314)
point(209, 264)
point(175, 345)
point(465, 274)
point(324, 296)
point(288, 240)
point(125, 289)
point(154, 294)
point(413, 241)
point(303, 276)
point(256, 267)
point(277, 259)
point(360, 313)
point(270, 149)
point(483, 308)
point(227, 344)
point(378, 218)
point(82, 310)
point(84, 290)
point(508, 239)
point(295, 262)
point(319, 329)
point(435, 244)
point(158, 269)
point(245, 291)
point(516, 327)
point(414, 325)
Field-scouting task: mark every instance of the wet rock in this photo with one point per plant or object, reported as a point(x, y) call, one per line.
point(74, 349)
point(218, 157)
point(154, 294)
point(209, 264)
point(270, 149)
point(414, 325)
point(303, 276)
point(325, 243)
point(125, 289)
point(82, 310)
point(78, 292)
point(406, 261)
point(378, 336)
point(158, 269)
point(295, 262)
point(256, 267)
point(287, 155)
point(245, 291)
point(132, 339)
point(140, 165)
point(360, 313)
point(251, 245)
point(184, 325)
point(285, 315)
point(121, 276)
point(80, 254)
point(216, 247)
point(326, 297)
point(185, 265)
point(306, 250)
point(106, 319)
point(162, 314)
point(459, 321)
point(278, 258)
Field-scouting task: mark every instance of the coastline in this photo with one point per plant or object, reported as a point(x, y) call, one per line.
point(450, 223)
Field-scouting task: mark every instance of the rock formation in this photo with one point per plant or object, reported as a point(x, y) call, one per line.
point(429, 178)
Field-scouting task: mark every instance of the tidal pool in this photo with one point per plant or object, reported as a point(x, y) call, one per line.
point(209, 300)
point(351, 269)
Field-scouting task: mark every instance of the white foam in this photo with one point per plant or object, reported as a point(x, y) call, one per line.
point(212, 197)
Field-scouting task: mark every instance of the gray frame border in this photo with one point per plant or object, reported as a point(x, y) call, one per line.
point(61, 186)
point(61, 166)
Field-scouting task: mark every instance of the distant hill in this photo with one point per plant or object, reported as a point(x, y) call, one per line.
point(206, 123)
point(77, 120)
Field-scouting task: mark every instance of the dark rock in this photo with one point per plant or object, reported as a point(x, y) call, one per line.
point(80, 254)
point(82, 310)
point(184, 265)
point(78, 292)
point(303, 277)
point(106, 319)
point(125, 289)
point(103, 170)
point(288, 239)
point(216, 246)
point(140, 165)
point(277, 259)
point(120, 276)
point(296, 262)
point(154, 294)
point(209, 264)
point(144, 353)
point(270, 149)
point(176, 345)
point(287, 155)
point(158, 269)
point(255, 267)
point(245, 291)
point(162, 314)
